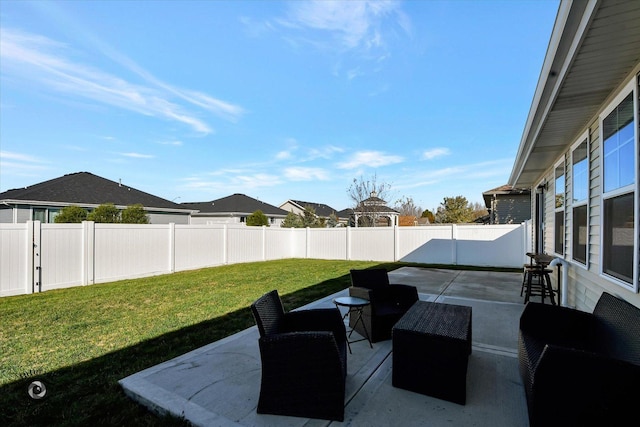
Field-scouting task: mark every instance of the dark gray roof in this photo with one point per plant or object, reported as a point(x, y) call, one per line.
point(236, 204)
point(320, 208)
point(83, 189)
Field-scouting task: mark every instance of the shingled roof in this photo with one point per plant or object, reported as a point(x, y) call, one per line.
point(86, 189)
point(320, 208)
point(235, 204)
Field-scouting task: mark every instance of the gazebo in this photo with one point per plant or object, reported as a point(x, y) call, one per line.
point(374, 212)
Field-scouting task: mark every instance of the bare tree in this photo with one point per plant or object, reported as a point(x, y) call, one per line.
point(407, 207)
point(368, 198)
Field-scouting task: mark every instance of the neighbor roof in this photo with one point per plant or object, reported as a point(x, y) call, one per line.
point(235, 204)
point(320, 208)
point(504, 190)
point(86, 189)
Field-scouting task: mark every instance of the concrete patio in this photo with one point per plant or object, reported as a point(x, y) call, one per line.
point(218, 385)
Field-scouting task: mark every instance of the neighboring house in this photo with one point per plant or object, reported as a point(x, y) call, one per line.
point(321, 210)
point(233, 209)
point(374, 212)
point(507, 205)
point(579, 150)
point(44, 201)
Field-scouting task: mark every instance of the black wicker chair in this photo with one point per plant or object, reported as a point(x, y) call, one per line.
point(579, 368)
point(388, 302)
point(304, 360)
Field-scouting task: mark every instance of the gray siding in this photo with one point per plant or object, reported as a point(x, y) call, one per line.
point(512, 209)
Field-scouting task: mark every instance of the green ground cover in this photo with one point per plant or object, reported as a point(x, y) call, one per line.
point(80, 341)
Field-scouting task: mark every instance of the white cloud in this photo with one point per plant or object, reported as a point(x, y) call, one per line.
point(175, 143)
point(371, 159)
point(353, 23)
point(306, 174)
point(137, 155)
point(40, 60)
point(435, 152)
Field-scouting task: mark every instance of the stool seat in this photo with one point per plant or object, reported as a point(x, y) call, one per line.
point(537, 282)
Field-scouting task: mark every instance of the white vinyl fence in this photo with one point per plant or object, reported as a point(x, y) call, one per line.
point(36, 257)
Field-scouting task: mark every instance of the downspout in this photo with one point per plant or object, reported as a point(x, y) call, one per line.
point(565, 277)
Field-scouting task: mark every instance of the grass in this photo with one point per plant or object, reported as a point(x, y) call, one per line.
point(80, 341)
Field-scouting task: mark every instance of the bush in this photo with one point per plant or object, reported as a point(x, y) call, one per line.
point(105, 213)
point(71, 214)
point(257, 219)
point(134, 214)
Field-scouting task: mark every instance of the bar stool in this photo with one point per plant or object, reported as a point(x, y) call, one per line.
point(537, 282)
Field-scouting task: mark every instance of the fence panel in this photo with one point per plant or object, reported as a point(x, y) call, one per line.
point(14, 259)
point(198, 246)
point(430, 245)
point(278, 243)
point(126, 251)
point(373, 244)
point(244, 244)
point(490, 246)
point(61, 253)
point(327, 243)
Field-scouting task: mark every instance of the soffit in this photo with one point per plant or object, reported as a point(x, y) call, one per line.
point(599, 46)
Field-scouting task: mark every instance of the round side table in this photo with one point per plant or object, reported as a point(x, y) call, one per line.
point(354, 305)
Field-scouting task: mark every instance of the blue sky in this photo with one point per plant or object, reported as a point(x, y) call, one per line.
point(194, 101)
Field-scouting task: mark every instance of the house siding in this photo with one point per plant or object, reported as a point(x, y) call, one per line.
point(512, 209)
point(586, 283)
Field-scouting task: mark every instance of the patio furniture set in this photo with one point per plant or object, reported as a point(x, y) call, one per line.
point(578, 368)
point(304, 353)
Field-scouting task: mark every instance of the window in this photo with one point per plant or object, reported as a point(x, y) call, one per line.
point(580, 194)
point(619, 177)
point(559, 205)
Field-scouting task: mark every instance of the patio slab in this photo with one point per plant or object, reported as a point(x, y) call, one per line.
point(218, 385)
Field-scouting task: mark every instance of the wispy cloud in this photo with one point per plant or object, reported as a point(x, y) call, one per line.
point(370, 159)
point(353, 24)
point(435, 152)
point(306, 174)
point(138, 155)
point(19, 164)
point(47, 63)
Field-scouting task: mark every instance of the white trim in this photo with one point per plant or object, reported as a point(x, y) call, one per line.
point(630, 87)
point(583, 139)
point(562, 162)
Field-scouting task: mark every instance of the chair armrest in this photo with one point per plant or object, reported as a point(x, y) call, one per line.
point(320, 319)
point(309, 354)
point(553, 324)
point(360, 292)
point(589, 388)
point(398, 295)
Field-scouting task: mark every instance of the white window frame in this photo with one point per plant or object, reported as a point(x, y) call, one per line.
point(630, 87)
point(560, 163)
point(584, 138)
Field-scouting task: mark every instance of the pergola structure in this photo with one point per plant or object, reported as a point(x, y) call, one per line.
point(374, 212)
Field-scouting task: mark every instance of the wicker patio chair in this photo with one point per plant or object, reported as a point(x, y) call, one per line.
point(304, 360)
point(389, 302)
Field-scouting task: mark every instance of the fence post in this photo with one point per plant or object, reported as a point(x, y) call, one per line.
point(264, 242)
point(225, 239)
point(88, 252)
point(30, 255)
point(454, 244)
point(172, 247)
point(307, 243)
point(396, 243)
point(348, 242)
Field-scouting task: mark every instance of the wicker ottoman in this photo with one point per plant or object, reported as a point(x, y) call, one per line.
point(431, 348)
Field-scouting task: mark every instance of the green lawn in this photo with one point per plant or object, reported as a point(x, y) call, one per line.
point(80, 341)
